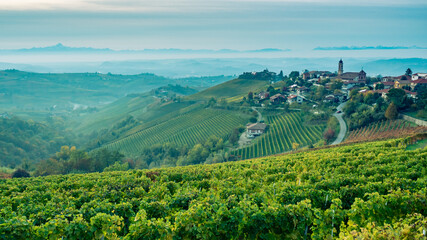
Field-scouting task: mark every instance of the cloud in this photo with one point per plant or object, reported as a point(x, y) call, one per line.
point(346, 48)
point(174, 5)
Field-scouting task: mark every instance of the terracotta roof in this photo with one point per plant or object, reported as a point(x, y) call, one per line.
point(420, 81)
point(387, 90)
point(349, 75)
point(404, 81)
point(257, 126)
point(388, 83)
point(276, 96)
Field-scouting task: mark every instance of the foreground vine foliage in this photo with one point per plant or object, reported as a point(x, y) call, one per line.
point(374, 190)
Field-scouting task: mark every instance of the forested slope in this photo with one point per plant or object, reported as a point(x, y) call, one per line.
point(363, 191)
point(29, 141)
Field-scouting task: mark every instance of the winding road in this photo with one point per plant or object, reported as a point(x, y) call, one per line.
point(343, 125)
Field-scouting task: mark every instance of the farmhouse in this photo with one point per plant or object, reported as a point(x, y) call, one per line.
point(387, 85)
point(277, 98)
point(295, 98)
point(417, 76)
point(402, 83)
point(255, 129)
point(302, 89)
point(418, 82)
point(263, 95)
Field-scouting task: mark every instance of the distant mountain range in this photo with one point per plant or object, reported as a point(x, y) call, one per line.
point(226, 66)
point(367, 48)
point(60, 48)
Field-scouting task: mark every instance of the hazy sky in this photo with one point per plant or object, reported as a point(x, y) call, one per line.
point(207, 24)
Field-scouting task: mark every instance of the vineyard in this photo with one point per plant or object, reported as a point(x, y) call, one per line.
point(283, 131)
point(384, 130)
point(360, 191)
point(186, 129)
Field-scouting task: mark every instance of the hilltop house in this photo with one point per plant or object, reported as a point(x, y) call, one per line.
point(387, 85)
point(295, 98)
point(302, 90)
point(383, 93)
point(321, 74)
point(264, 75)
point(329, 98)
point(402, 83)
point(255, 129)
point(417, 76)
point(418, 82)
point(263, 95)
point(277, 98)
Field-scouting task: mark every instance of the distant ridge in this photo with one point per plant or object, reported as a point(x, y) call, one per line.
point(62, 48)
point(367, 48)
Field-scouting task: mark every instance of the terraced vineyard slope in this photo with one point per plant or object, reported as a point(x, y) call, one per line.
point(187, 129)
point(283, 131)
point(384, 130)
point(360, 191)
point(234, 88)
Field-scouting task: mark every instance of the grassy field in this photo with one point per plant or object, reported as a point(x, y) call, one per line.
point(186, 129)
point(283, 131)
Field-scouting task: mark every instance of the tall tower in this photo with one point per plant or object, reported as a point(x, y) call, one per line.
point(340, 67)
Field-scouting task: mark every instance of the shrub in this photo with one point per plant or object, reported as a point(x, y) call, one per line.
point(20, 173)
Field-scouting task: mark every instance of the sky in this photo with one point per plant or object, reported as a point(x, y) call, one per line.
point(206, 24)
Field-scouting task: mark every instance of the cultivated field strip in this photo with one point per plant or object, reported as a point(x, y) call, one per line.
point(187, 129)
point(384, 130)
point(283, 131)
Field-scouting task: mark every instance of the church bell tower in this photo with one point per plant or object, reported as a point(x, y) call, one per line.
point(340, 67)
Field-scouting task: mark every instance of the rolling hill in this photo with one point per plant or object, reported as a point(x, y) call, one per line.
point(186, 129)
point(283, 131)
point(24, 93)
point(384, 130)
point(233, 88)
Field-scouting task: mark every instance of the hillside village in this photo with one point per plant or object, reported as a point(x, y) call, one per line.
point(337, 86)
point(329, 89)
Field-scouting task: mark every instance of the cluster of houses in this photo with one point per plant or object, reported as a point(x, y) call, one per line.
point(354, 80)
point(278, 98)
point(350, 81)
point(264, 75)
point(409, 83)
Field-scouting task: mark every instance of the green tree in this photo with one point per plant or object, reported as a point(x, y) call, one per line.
point(320, 92)
point(20, 173)
point(250, 96)
point(408, 72)
point(294, 75)
point(391, 112)
point(336, 85)
point(397, 96)
point(379, 86)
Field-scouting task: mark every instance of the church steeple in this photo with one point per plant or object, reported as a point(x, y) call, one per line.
point(340, 67)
